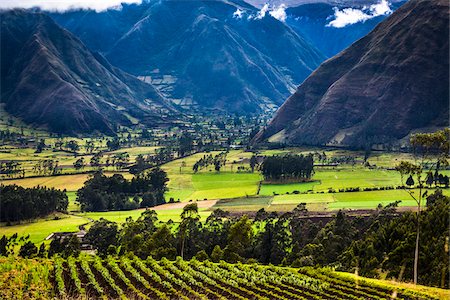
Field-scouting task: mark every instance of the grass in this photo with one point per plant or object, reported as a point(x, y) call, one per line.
point(71, 182)
point(121, 216)
point(68, 182)
point(243, 204)
point(186, 185)
point(322, 202)
point(345, 177)
point(270, 189)
point(40, 229)
point(432, 291)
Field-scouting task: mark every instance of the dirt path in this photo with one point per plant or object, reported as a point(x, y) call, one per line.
point(177, 205)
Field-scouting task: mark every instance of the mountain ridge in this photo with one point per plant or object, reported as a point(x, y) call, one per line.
point(166, 43)
point(49, 78)
point(384, 86)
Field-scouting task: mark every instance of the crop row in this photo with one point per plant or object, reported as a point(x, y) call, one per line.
point(133, 278)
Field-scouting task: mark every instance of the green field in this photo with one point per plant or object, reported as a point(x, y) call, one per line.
point(164, 215)
point(322, 201)
point(208, 184)
point(244, 204)
point(40, 229)
point(238, 190)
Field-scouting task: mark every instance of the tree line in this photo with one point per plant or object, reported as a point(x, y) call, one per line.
point(18, 203)
point(287, 167)
point(375, 245)
point(103, 193)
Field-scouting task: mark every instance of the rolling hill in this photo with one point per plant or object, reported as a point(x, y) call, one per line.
point(386, 85)
point(50, 79)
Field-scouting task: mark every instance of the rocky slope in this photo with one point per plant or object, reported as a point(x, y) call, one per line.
point(386, 85)
point(221, 55)
point(49, 78)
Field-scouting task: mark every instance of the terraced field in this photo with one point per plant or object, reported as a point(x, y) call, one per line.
point(133, 278)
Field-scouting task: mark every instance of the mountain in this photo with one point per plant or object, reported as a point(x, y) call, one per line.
point(49, 78)
point(388, 84)
point(202, 55)
point(313, 22)
point(294, 3)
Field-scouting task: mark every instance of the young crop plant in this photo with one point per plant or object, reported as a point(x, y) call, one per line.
point(184, 266)
point(157, 279)
point(59, 278)
point(84, 263)
point(71, 263)
point(107, 277)
point(221, 275)
point(173, 278)
point(116, 269)
point(126, 265)
point(185, 276)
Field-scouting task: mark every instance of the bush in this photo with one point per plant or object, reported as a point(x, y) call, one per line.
point(217, 254)
point(201, 256)
point(28, 250)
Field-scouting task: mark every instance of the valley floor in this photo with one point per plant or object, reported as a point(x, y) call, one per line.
point(237, 191)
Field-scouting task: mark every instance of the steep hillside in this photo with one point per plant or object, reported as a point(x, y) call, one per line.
point(314, 22)
point(222, 55)
point(49, 78)
point(388, 84)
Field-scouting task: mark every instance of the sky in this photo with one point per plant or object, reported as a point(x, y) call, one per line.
point(341, 18)
point(348, 16)
point(63, 5)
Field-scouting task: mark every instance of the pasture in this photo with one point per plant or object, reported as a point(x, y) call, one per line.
point(40, 229)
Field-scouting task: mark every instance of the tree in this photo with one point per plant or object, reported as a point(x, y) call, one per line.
point(240, 237)
point(217, 254)
point(103, 234)
point(95, 160)
point(189, 220)
point(28, 250)
point(42, 251)
point(410, 181)
point(217, 165)
point(73, 145)
point(186, 144)
point(201, 255)
point(253, 162)
point(40, 146)
point(436, 144)
point(89, 146)
point(79, 164)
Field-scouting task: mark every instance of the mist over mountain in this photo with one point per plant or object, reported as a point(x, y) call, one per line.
point(50, 79)
point(388, 84)
point(222, 55)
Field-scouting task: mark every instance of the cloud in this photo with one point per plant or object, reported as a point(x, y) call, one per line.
point(348, 16)
point(238, 14)
point(262, 13)
point(278, 13)
point(63, 5)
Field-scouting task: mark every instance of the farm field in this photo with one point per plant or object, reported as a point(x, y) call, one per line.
point(322, 202)
point(133, 278)
point(165, 213)
point(41, 228)
point(71, 182)
point(186, 185)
